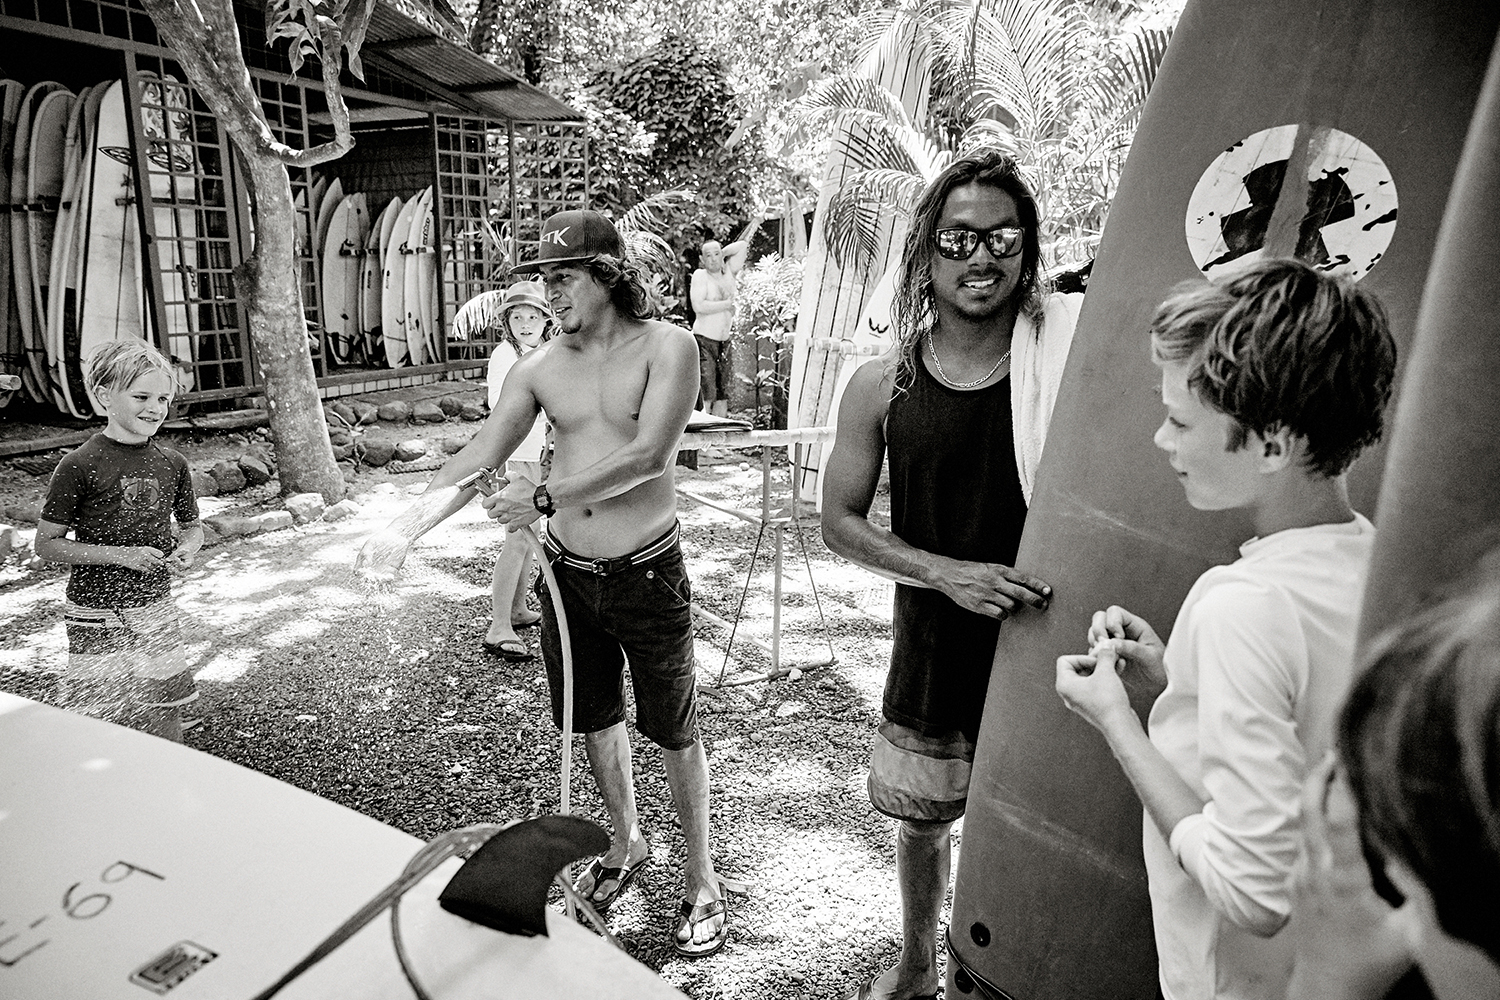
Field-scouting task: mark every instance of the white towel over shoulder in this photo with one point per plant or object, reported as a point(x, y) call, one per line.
point(1038, 355)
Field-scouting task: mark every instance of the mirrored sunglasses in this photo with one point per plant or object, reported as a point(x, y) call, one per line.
point(960, 243)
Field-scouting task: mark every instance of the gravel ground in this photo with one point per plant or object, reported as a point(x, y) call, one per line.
point(384, 702)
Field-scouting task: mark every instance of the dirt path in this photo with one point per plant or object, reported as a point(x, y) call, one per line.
point(384, 702)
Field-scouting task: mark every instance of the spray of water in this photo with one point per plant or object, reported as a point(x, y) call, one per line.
point(383, 553)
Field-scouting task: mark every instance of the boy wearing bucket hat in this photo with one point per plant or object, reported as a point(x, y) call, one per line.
point(617, 386)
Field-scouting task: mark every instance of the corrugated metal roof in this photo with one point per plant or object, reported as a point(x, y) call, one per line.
point(407, 47)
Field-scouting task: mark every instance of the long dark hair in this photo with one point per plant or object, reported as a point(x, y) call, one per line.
point(630, 290)
point(913, 308)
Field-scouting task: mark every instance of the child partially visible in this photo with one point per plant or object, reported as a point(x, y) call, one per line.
point(525, 322)
point(118, 493)
point(1274, 381)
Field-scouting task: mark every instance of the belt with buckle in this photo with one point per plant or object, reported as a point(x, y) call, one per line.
point(606, 567)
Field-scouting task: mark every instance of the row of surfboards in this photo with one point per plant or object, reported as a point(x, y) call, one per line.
point(379, 275)
point(71, 262)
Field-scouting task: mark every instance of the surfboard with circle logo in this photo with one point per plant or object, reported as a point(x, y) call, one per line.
point(110, 288)
point(1326, 130)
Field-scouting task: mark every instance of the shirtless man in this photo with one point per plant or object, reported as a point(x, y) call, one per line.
point(712, 291)
point(617, 387)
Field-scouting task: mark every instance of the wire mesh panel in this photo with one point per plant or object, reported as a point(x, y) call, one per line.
point(471, 161)
point(127, 20)
point(549, 171)
point(195, 242)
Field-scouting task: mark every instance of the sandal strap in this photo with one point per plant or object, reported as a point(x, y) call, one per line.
point(703, 911)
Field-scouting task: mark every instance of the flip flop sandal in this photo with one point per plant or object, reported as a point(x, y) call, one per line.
point(690, 916)
point(511, 649)
point(598, 872)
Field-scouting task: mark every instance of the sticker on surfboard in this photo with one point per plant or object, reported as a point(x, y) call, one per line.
point(1308, 191)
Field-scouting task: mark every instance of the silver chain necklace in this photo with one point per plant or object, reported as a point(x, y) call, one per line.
point(932, 347)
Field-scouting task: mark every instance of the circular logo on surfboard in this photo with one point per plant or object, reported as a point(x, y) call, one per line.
point(1307, 191)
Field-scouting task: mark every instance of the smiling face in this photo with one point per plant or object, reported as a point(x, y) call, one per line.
point(982, 286)
point(1195, 437)
point(136, 411)
point(527, 324)
point(577, 298)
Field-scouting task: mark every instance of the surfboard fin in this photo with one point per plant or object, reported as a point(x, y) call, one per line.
point(504, 885)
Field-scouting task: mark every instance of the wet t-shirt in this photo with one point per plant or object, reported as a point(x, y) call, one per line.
point(120, 494)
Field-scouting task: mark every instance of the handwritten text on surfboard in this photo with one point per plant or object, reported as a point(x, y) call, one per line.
point(1305, 191)
point(79, 901)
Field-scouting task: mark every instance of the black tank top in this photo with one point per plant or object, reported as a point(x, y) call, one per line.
point(954, 491)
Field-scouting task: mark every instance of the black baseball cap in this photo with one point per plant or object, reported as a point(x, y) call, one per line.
point(574, 236)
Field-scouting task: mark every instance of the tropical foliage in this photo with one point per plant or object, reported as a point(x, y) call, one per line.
point(1057, 83)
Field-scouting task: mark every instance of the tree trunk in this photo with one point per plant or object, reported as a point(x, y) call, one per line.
point(206, 41)
point(270, 292)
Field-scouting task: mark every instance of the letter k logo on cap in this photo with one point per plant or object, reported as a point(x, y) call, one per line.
point(556, 236)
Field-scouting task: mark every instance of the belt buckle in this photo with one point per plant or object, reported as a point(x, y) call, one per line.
point(600, 566)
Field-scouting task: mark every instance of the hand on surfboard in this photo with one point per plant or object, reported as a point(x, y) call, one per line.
point(991, 589)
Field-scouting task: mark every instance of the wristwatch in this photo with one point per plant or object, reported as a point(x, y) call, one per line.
point(542, 501)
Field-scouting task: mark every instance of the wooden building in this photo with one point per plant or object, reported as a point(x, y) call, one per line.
point(499, 154)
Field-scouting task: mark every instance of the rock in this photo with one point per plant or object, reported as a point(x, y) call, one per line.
point(254, 470)
point(204, 485)
point(364, 499)
point(342, 452)
point(428, 412)
point(341, 510)
point(386, 489)
point(415, 489)
point(472, 411)
point(306, 507)
point(339, 436)
point(263, 453)
point(272, 520)
point(24, 513)
point(364, 412)
point(394, 411)
point(451, 405)
point(453, 446)
point(228, 476)
point(345, 412)
point(7, 540)
point(375, 453)
point(231, 525)
point(410, 451)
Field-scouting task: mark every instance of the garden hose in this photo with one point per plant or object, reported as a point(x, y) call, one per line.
point(484, 482)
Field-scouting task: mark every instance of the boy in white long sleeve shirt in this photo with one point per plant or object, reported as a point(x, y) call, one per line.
point(1274, 382)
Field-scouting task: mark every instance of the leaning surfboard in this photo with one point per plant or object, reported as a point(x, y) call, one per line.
point(393, 294)
point(35, 183)
point(1443, 470)
point(1269, 131)
point(12, 348)
point(415, 301)
point(833, 298)
point(111, 286)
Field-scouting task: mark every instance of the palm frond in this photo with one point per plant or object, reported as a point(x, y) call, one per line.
point(1120, 92)
point(845, 95)
point(654, 254)
point(647, 216)
point(860, 209)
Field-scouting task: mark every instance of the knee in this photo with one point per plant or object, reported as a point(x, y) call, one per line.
point(915, 832)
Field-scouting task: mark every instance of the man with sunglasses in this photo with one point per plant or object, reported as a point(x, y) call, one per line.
point(959, 406)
